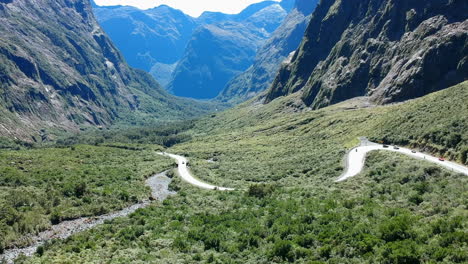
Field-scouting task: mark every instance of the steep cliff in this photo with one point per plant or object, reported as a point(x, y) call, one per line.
point(283, 41)
point(391, 50)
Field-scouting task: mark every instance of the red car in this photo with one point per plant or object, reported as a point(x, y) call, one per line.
point(441, 159)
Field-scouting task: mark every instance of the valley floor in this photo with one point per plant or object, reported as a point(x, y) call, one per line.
point(287, 207)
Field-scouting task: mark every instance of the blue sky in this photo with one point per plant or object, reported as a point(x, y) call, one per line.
point(191, 7)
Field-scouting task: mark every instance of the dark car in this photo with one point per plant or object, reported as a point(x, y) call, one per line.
point(385, 146)
point(413, 151)
point(395, 147)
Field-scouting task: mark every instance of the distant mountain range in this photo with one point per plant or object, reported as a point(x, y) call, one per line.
point(391, 50)
point(193, 57)
point(282, 42)
point(60, 71)
point(148, 38)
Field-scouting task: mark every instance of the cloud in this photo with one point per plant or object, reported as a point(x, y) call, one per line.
point(190, 7)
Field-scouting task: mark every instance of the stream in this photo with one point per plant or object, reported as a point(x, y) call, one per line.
point(159, 185)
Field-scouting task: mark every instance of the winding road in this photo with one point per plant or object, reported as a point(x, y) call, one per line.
point(186, 176)
point(356, 158)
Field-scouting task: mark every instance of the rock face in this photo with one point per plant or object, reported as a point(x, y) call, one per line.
point(283, 41)
point(391, 50)
point(217, 52)
point(59, 70)
point(150, 39)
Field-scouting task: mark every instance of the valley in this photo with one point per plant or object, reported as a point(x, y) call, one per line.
point(293, 131)
point(271, 181)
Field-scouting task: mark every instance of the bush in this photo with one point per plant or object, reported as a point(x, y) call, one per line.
point(396, 228)
point(40, 250)
point(80, 189)
point(55, 218)
point(212, 241)
point(282, 249)
point(401, 252)
point(260, 190)
point(180, 243)
point(464, 155)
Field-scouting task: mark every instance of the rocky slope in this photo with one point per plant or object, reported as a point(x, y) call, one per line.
point(58, 70)
point(151, 40)
point(218, 52)
point(391, 50)
point(283, 41)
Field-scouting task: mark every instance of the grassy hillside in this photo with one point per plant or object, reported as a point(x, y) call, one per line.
point(276, 142)
point(284, 159)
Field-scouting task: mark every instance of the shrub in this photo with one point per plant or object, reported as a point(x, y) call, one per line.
point(180, 243)
point(282, 249)
point(395, 228)
point(401, 252)
point(260, 190)
point(55, 217)
point(80, 189)
point(212, 241)
point(40, 250)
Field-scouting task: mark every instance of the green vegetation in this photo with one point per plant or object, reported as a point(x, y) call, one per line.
point(7, 143)
point(438, 123)
point(288, 209)
point(40, 187)
point(164, 135)
point(272, 143)
point(382, 216)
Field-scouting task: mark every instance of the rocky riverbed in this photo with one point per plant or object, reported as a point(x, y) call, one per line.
point(159, 185)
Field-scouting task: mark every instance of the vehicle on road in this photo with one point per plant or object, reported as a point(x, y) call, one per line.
point(413, 151)
point(385, 146)
point(395, 147)
point(441, 159)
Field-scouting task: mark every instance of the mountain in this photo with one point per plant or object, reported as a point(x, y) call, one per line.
point(59, 70)
point(284, 40)
point(150, 39)
point(391, 50)
point(155, 40)
point(218, 52)
point(209, 17)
